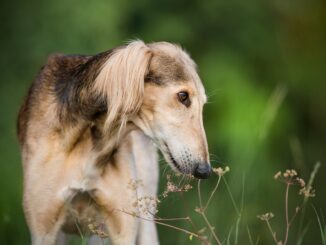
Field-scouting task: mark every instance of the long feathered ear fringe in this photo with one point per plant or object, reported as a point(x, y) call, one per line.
point(121, 82)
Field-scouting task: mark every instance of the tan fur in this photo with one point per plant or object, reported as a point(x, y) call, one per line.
point(122, 80)
point(88, 126)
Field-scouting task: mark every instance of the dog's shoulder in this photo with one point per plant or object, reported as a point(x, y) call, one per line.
point(58, 64)
point(58, 69)
point(64, 80)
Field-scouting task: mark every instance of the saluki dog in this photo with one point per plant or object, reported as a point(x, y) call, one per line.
point(91, 124)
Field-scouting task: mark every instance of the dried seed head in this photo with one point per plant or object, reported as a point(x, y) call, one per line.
point(307, 192)
point(220, 172)
point(266, 216)
point(277, 175)
point(289, 177)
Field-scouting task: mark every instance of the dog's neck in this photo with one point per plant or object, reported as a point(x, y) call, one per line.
point(107, 147)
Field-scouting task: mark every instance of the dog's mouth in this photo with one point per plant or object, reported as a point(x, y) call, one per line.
point(201, 170)
point(173, 161)
point(169, 157)
point(177, 166)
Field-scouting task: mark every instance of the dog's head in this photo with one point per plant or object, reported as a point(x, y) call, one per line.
point(156, 86)
point(171, 113)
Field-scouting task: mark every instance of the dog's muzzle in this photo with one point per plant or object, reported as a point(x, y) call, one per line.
point(202, 171)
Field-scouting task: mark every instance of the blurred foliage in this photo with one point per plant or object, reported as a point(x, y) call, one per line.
point(263, 65)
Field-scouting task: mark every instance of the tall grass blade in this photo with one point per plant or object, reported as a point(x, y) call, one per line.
point(322, 226)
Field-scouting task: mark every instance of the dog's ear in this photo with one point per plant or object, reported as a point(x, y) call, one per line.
point(121, 82)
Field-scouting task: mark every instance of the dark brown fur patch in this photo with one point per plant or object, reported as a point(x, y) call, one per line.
point(103, 159)
point(23, 119)
point(82, 210)
point(74, 78)
point(68, 79)
point(166, 69)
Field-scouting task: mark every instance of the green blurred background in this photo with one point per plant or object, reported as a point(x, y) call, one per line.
point(262, 62)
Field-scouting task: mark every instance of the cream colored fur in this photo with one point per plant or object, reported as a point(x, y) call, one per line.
point(60, 161)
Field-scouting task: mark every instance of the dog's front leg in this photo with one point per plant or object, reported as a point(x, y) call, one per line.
point(115, 200)
point(115, 195)
point(146, 163)
point(45, 218)
point(45, 201)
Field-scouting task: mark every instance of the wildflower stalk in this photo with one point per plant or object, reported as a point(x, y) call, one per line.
point(187, 211)
point(290, 177)
point(172, 219)
point(158, 221)
point(231, 196)
point(202, 212)
point(266, 217)
point(272, 232)
point(322, 226)
point(287, 213)
point(302, 218)
point(199, 196)
point(212, 193)
point(211, 229)
point(249, 235)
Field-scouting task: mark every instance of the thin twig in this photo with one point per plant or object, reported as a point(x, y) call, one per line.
point(321, 228)
point(187, 211)
point(212, 193)
point(176, 228)
point(155, 217)
point(250, 238)
point(171, 219)
point(164, 224)
point(272, 232)
point(77, 226)
point(202, 212)
point(258, 240)
point(287, 213)
point(310, 182)
point(236, 234)
point(211, 229)
point(240, 213)
point(298, 209)
point(231, 196)
point(199, 196)
point(229, 235)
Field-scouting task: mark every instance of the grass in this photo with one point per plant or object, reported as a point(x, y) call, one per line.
point(210, 234)
point(321, 224)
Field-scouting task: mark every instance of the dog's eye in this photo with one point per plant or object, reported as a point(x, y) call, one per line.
point(184, 98)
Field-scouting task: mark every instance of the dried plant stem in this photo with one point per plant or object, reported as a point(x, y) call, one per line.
point(272, 232)
point(296, 213)
point(312, 176)
point(199, 196)
point(80, 233)
point(156, 218)
point(202, 212)
point(231, 196)
point(211, 229)
point(287, 214)
point(249, 235)
point(172, 219)
point(158, 221)
point(310, 182)
point(212, 193)
point(187, 211)
point(176, 228)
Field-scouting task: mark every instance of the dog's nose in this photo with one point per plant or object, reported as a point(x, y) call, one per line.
point(202, 171)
